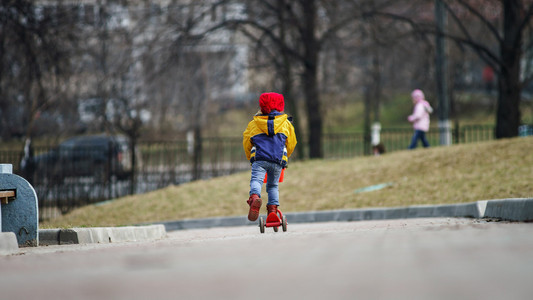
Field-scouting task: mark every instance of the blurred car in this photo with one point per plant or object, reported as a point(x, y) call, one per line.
point(101, 157)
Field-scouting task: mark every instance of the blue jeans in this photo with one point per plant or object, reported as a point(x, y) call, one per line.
point(259, 169)
point(419, 135)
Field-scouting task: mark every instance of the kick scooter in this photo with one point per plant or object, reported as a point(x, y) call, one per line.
point(273, 220)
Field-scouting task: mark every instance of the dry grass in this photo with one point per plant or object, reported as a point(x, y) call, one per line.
point(440, 175)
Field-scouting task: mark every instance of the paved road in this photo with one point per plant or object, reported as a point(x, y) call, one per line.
point(391, 259)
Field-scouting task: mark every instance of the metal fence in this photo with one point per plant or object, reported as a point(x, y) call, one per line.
point(395, 139)
point(160, 164)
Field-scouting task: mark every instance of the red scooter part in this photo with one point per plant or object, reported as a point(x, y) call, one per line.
point(273, 220)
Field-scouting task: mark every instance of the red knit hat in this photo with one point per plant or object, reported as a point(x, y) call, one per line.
point(271, 101)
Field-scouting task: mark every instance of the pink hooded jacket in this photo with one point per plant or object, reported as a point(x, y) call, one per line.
point(421, 111)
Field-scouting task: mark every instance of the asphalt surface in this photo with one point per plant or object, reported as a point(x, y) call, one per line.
point(418, 258)
point(517, 209)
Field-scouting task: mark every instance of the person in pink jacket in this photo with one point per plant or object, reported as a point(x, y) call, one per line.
point(420, 119)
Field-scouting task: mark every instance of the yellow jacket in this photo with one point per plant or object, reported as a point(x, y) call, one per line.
point(269, 137)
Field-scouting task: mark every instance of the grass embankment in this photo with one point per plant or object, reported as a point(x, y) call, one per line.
point(439, 175)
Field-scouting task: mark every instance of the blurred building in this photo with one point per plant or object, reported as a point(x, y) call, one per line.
point(152, 58)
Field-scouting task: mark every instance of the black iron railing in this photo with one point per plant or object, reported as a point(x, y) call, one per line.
point(63, 182)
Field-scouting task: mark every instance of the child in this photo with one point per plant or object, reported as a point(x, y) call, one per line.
point(419, 118)
point(268, 142)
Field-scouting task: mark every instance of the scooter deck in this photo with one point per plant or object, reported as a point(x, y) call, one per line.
point(273, 220)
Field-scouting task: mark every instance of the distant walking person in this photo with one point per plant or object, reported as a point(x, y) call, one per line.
point(420, 119)
point(488, 78)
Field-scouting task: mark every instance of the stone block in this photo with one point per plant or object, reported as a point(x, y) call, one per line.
point(19, 215)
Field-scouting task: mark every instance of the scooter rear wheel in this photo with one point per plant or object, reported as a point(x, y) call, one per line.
point(284, 223)
point(261, 225)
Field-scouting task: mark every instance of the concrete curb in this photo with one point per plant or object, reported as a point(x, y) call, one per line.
point(510, 209)
point(520, 209)
point(8, 243)
point(101, 235)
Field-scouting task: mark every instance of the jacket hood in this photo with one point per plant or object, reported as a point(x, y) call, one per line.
point(271, 101)
point(272, 123)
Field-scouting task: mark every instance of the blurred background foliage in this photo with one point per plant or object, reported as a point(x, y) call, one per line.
point(157, 70)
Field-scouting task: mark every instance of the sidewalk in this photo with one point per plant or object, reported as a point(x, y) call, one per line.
point(519, 210)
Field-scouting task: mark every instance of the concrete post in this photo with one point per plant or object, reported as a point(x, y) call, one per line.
point(20, 213)
point(376, 134)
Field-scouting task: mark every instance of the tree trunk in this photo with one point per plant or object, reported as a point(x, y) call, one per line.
point(133, 158)
point(199, 119)
point(376, 89)
point(508, 114)
point(367, 112)
point(314, 114)
point(286, 75)
point(291, 103)
point(197, 153)
point(310, 80)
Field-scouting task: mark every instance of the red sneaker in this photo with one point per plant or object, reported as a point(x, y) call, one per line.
point(272, 209)
point(255, 205)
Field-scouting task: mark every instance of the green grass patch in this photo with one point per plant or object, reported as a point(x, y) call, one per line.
point(439, 175)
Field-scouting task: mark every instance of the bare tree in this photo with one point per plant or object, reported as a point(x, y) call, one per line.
point(35, 51)
point(275, 20)
point(502, 48)
point(195, 69)
point(505, 58)
point(299, 33)
point(109, 75)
